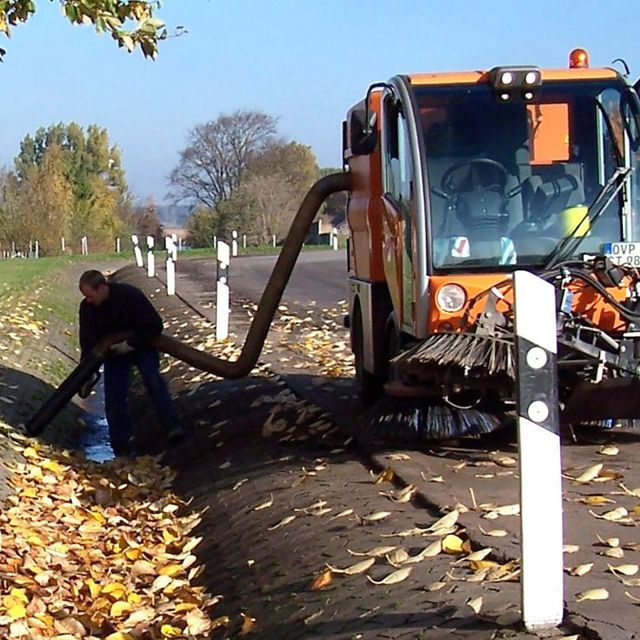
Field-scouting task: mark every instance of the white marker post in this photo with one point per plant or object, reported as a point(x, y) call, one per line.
point(62, 245)
point(85, 246)
point(118, 245)
point(151, 259)
point(171, 266)
point(334, 238)
point(136, 251)
point(539, 452)
point(234, 243)
point(222, 292)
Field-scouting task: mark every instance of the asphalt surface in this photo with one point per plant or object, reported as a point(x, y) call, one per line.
point(286, 491)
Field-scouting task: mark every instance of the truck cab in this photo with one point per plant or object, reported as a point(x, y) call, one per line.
point(461, 178)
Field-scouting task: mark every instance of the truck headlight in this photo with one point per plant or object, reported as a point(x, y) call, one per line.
point(451, 298)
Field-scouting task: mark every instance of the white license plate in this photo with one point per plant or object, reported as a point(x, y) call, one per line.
point(623, 252)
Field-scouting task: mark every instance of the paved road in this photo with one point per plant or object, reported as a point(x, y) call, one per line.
point(475, 477)
point(318, 275)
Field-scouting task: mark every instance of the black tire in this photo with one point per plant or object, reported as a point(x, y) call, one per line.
point(368, 385)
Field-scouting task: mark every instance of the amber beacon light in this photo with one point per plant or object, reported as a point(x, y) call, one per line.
point(579, 59)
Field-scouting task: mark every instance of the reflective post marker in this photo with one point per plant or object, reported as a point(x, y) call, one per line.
point(118, 245)
point(334, 238)
point(151, 259)
point(136, 251)
point(541, 578)
point(171, 266)
point(222, 292)
point(234, 243)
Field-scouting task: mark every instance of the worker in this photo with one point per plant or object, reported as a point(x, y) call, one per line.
point(114, 309)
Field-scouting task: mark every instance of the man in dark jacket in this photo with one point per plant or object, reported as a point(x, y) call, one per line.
point(122, 311)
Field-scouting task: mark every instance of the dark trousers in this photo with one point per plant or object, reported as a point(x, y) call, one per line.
point(117, 370)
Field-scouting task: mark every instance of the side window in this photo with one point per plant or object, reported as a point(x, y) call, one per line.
point(398, 169)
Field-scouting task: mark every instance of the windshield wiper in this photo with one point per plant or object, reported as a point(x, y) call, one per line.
point(569, 244)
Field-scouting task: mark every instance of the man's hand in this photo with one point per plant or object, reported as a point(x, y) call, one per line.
point(121, 348)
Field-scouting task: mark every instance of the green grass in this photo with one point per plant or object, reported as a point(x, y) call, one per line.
point(21, 275)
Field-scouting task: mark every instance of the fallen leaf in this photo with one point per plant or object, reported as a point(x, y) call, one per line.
point(475, 604)
point(376, 552)
point(322, 580)
point(264, 505)
point(446, 521)
point(354, 569)
point(248, 623)
point(609, 450)
point(590, 473)
point(286, 520)
point(376, 516)
point(624, 569)
point(580, 570)
point(385, 476)
point(393, 577)
point(592, 594)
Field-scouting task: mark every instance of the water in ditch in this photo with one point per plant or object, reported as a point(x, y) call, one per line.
point(95, 441)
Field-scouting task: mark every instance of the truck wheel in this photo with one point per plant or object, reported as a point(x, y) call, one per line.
point(368, 385)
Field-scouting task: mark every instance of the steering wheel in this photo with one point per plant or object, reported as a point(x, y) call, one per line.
point(469, 175)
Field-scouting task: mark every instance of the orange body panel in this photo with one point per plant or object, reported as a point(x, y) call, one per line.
point(365, 209)
point(587, 302)
point(473, 77)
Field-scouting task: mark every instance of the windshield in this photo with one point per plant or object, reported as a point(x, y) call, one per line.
point(509, 180)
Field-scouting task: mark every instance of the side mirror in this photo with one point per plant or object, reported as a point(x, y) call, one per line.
point(362, 134)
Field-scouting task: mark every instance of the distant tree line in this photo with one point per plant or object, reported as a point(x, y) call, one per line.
point(240, 175)
point(68, 183)
point(235, 172)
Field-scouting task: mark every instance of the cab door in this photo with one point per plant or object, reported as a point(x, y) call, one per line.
point(399, 206)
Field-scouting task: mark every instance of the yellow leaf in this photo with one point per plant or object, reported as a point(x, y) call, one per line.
point(17, 611)
point(591, 473)
point(31, 453)
point(452, 544)
point(170, 570)
point(595, 501)
point(170, 632)
point(51, 465)
point(20, 595)
point(94, 588)
point(386, 476)
point(115, 589)
point(29, 492)
point(119, 608)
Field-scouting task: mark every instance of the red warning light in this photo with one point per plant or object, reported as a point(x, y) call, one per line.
point(579, 59)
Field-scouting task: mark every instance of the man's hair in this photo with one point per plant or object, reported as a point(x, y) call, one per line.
point(92, 278)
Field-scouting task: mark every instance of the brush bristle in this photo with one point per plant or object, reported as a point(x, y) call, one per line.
point(411, 420)
point(478, 354)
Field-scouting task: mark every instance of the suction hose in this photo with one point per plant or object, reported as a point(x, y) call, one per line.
point(271, 295)
point(258, 330)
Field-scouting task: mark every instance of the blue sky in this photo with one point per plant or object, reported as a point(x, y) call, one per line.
point(302, 61)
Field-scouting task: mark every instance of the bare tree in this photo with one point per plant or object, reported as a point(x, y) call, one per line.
point(217, 154)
